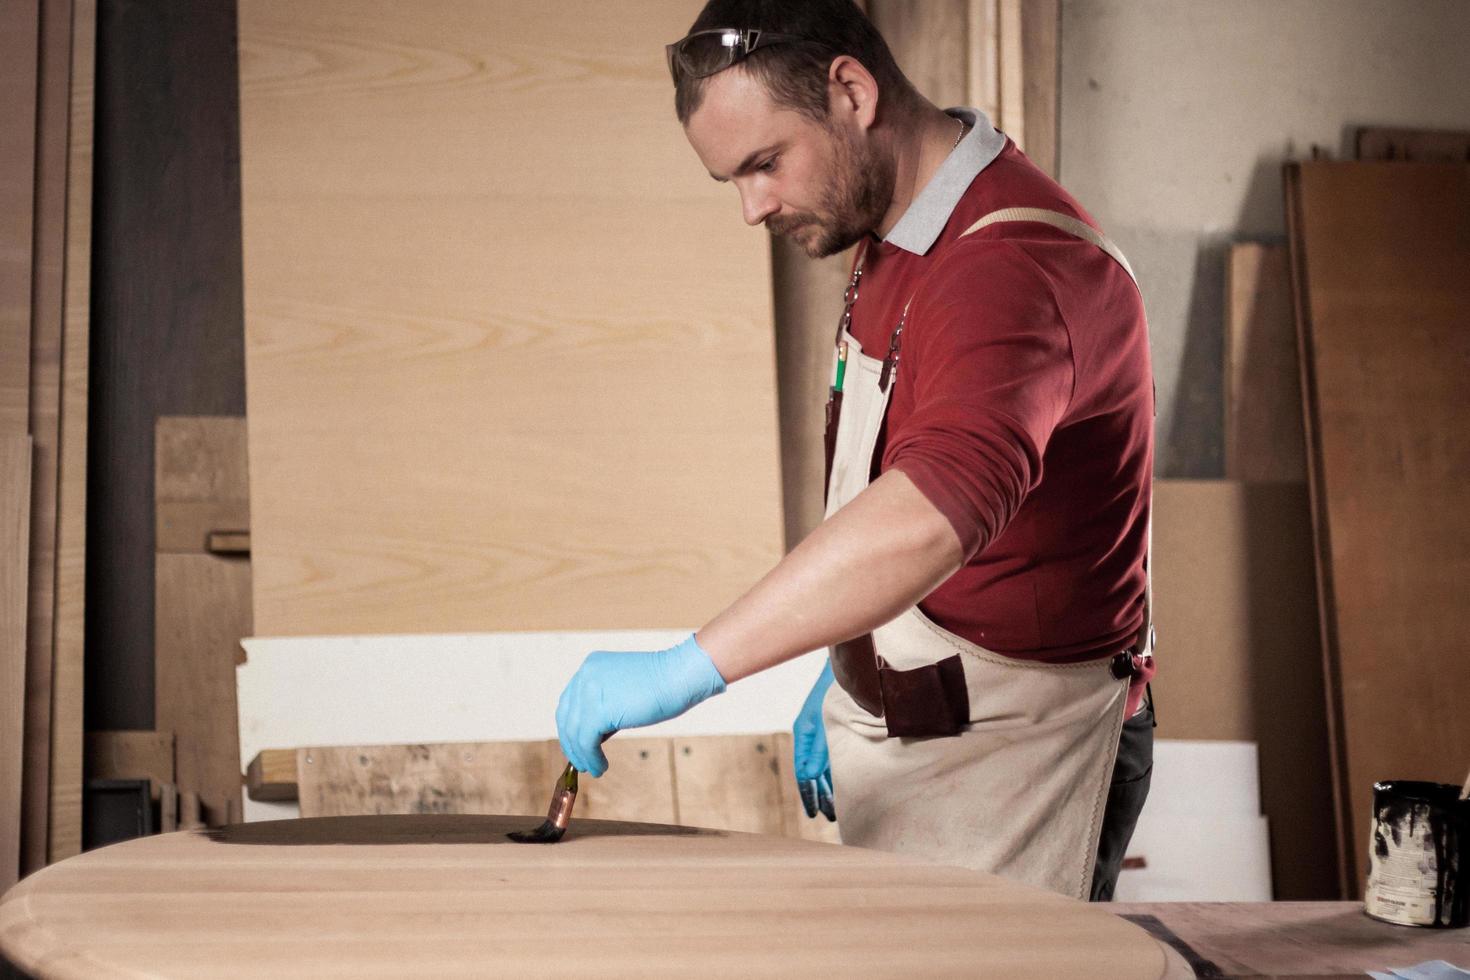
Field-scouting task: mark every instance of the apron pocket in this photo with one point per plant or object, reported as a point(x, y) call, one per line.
point(924, 702)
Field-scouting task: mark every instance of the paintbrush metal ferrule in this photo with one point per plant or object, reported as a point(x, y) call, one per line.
point(558, 815)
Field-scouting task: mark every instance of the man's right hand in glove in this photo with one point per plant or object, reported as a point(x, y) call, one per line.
point(813, 765)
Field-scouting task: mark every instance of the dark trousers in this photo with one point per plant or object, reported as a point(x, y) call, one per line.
point(1131, 775)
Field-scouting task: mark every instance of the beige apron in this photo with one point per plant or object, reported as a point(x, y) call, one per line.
point(1018, 785)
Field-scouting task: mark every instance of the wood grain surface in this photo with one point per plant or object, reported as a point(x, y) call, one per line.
point(19, 48)
point(202, 612)
point(1264, 439)
point(449, 896)
point(1240, 657)
point(15, 528)
point(510, 358)
point(1379, 253)
point(1290, 940)
point(53, 112)
point(202, 600)
point(65, 838)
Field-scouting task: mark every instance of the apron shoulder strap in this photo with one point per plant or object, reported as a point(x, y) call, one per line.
point(1065, 222)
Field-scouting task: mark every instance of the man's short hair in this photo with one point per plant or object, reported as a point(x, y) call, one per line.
point(795, 73)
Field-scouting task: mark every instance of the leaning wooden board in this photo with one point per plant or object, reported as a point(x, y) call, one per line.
point(1379, 258)
point(53, 113)
point(449, 896)
point(68, 654)
point(509, 350)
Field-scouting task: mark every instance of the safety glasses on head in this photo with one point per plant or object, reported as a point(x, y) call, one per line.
point(704, 53)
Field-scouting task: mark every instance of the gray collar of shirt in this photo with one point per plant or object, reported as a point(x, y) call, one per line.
point(930, 210)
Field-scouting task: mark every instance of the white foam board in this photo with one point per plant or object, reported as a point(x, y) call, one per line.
point(1206, 778)
point(1197, 858)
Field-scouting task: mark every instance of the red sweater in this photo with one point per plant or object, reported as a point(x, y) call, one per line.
point(1024, 412)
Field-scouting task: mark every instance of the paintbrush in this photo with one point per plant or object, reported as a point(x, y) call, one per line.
point(563, 798)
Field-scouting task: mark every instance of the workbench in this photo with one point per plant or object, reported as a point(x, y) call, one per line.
point(448, 896)
point(1291, 939)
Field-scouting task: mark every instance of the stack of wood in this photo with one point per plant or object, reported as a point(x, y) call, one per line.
point(46, 77)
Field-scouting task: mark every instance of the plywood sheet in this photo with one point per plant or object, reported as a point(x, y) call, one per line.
point(1239, 655)
point(1379, 253)
point(15, 526)
point(504, 335)
point(445, 895)
point(202, 613)
point(19, 47)
point(52, 119)
point(65, 836)
point(1264, 440)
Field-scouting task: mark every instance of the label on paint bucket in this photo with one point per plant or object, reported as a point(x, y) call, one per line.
point(1414, 875)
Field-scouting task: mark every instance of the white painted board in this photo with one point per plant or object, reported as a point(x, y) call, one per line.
point(476, 687)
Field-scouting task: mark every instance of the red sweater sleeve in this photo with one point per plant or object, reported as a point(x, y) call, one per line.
point(986, 364)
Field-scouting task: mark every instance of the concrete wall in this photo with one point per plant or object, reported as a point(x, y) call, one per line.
point(1175, 119)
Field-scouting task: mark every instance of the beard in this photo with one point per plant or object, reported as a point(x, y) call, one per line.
point(853, 199)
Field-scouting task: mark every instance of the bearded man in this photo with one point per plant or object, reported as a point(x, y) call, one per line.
point(980, 577)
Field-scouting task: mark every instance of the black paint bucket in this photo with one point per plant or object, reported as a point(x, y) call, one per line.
point(1417, 874)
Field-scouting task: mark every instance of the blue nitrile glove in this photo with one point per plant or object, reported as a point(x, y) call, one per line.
point(813, 765)
point(613, 691)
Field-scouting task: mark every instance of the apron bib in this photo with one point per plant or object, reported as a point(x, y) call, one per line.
point(941, 748)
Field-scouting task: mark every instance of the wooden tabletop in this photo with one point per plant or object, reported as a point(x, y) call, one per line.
point(449, 896)
point(1292, 939)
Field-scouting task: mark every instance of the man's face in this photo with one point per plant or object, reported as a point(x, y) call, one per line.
point(823, 186)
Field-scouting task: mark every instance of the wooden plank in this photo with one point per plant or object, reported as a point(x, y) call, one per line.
point(1041, 23)
point(15, 523)
point(131, 755)
point(1413, 145)
point(983, 71)
point(201, 480)
point(639, 783)
point(446, 895)
point(1264, 438)
point(1290, 940)
point(1239, 653)
point(731, 783)
point(48, 267)
point(19, 46)
point(270, 776)
point(928, 40)
point(1011, 71)
point(202, 613)
point(1379, 252)
point(485, 777)
point(490, 294)
point(65, 838)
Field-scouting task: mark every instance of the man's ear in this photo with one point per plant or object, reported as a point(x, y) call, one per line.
point(852, 92)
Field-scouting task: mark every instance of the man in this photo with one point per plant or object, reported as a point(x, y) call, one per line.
point(980, 576)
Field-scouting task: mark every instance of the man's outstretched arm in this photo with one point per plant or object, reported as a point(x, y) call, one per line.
point(883, 552)
point(874, 558)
